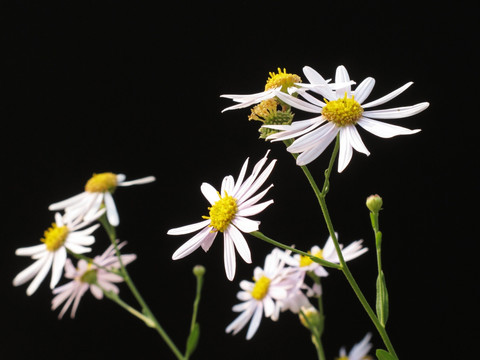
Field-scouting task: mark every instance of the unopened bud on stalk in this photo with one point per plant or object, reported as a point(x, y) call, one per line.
point(198, 270)
point(374, 203)
point(310, 317)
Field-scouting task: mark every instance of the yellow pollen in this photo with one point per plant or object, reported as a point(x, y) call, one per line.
point(222, 212)
point(102, 182)
point(54, 237)
point(307, 260)
point(343, 111)
point(282, 79)
point(260, 289)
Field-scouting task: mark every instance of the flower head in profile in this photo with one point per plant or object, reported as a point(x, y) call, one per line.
point(271, 284)
point(282, 81)
point(339, 114)
point(52, 252)
point(228, 214)
point(98, 192)
point(359, 351)
point(96, 276)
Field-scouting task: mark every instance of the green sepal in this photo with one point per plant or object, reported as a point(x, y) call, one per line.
point(382, 299)
point(192, 340)
point(384, 355)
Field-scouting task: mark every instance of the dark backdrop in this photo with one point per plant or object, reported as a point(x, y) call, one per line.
point(133, 87)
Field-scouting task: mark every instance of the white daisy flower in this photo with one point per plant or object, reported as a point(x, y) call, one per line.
point(98, 191)
point(94, 276)
point(342, 110)
point(275, 83)
point(272, 283)
point(359, 351)
point(228, 214)
point(52, 253)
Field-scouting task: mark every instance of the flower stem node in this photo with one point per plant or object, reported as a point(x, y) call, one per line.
point(374, 203)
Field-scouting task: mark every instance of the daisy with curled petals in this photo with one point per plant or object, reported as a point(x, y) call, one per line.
point(63, 235)
point(276, 82)
point(96, 276)
point(228, 214)
point(359, 351)
point(98, 192)
point(272, 284)
point(340, 114)
point(328, 253)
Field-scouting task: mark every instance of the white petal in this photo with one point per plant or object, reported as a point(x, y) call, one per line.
point(144, 180)
point(210, 193)
point(241, 176)
point(29, 272)
point(240, 322)
point(245, 225)
point(229, 257)
point(31, 250)
point(208, 241)
point(40, 275)
point(355, 140)
point(191, 245)
point(57, 267)
point(255, 323)
point(313, 138)
point(228, 184)
point(240, 243)
point(312, 153)
point(187, 229)
point(254, 199)
point(396, 113)
point(341, 76)
point(299, 104)
point(112, 213)
point(346, 151)
point(364, 89)
point(384, 130)
point(67, 202)
point(387, 97)
point(254, 209)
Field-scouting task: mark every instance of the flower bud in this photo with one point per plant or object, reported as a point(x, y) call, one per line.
point(310, 317)
point(198, 270)
point(374, 203)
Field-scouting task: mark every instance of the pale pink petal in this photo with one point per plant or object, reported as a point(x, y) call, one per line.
point(229, 257)
point(384, 130)
point(191, 245)
point(240, 243)
point(187, 229)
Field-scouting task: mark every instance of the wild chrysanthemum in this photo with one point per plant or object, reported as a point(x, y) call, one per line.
point(271, 284)
point(228, 214)
point(340, 113)
point(96, 276)
point(359, 351)
point(282, 81)
point(98, 192)
point(52, 253)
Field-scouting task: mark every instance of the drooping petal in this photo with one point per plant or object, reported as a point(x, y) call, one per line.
point(191, 245)
point(244, 224)
point(112, 213)
point(59, 259)
point(384, 130)
point(240, 243)
point(29, 272)
point(312, 153)
point(355, 140)
point(208, 241)
point(42, 273)
point(346, 151)
point(255, 322)
point(299, 104)
point(31, 250)
point(229, 257)
point(313, 138)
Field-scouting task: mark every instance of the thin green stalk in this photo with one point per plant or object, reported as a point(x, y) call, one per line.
point(344, 267)
point(145, 308)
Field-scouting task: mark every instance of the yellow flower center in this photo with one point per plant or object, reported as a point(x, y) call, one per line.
point(222, 212)
point(260, 289)
point(54, 237)
point(307, 260)
point(343, 111)
point(282, 79)
point(102, 182)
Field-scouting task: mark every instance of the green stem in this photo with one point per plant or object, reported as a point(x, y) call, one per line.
point(145, 309)
point(343, 265)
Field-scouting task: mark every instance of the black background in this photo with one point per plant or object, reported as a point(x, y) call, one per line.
point(133, 87)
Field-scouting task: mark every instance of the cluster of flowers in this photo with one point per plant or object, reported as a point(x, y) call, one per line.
point(72, 233)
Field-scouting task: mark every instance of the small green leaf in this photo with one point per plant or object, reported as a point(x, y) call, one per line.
point(384, 355)
point(192, 340)
point(382, 299)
